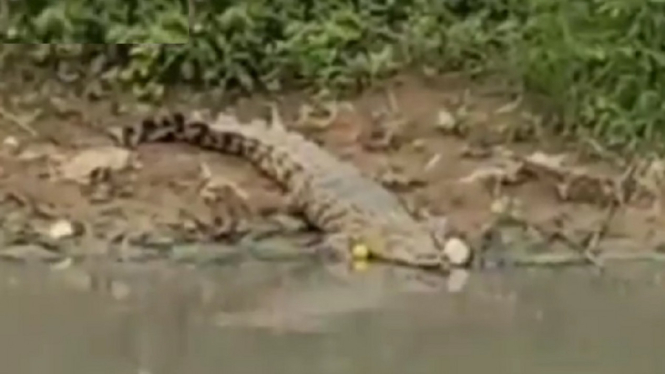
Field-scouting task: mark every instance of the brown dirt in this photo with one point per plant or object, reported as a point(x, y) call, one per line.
point(164, 195)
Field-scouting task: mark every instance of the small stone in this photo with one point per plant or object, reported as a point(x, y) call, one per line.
point(445, 121)
point(419, 144)
point(499, 206)
point(457, 252)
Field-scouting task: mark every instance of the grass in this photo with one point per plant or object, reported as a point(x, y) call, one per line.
point(600, 63)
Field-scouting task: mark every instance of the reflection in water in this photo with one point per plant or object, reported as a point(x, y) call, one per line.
point(259, 318)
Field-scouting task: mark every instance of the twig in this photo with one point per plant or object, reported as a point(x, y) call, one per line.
point(592, 241)
point(393, 105)
point(17, 121)
point(603, 152)
point(580, 257)
point(550, 236)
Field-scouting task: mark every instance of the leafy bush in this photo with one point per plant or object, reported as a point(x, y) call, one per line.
point(600, 62)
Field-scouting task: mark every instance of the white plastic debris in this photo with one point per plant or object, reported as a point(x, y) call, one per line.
point(61, 229)
point(457, 252)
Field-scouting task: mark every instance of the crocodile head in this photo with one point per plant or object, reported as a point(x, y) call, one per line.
point(416, 249)
point(409, 247)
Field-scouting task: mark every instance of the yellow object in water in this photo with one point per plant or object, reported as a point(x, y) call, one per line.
point(360, 265)
point(360, 252)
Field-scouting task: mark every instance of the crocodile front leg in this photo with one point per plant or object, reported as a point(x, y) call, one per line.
point(345, 258)
point(337, 247)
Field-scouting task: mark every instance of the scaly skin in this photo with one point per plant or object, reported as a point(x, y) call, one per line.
point(332, 195)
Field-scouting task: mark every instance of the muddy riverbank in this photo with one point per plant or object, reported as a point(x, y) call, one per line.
point(447, 146)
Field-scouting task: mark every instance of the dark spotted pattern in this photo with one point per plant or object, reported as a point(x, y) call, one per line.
point(333, 195)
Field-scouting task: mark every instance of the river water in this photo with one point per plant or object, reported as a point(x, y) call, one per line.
point(293, 318)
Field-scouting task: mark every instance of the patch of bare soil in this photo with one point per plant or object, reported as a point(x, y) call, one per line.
point(441, 144)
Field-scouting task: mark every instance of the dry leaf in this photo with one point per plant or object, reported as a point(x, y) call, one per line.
point(484, 174)
point(34, 152)
point(399, 180)
point(216, 186)
point(551, 161)
point(653, 176)
point(495, 174)
point(80, 167)
point(320, 117)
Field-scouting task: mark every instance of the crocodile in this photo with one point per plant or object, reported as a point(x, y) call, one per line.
point(333, 195)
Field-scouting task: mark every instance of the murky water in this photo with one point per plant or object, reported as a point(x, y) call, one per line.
point(285, 318)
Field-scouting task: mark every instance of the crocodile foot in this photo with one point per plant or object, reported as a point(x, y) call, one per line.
point(337, 247)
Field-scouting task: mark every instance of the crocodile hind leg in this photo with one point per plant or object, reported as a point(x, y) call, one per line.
point(295, 199)
point(336, 246)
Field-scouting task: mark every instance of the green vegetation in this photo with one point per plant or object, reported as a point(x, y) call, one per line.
point(600, 63)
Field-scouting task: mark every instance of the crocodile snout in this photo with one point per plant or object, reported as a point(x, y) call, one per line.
point(432, 258)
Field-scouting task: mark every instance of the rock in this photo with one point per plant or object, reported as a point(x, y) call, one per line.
point(445, 121)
